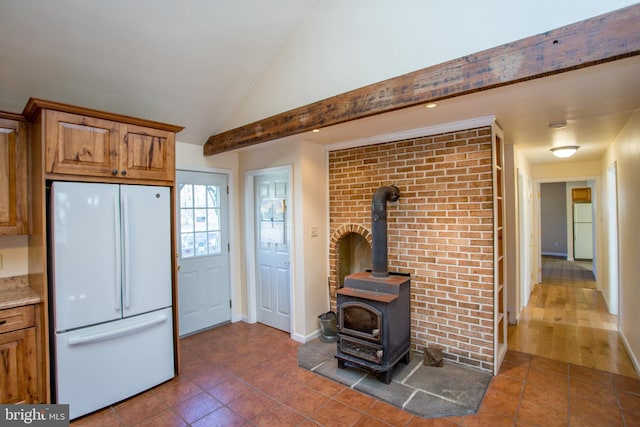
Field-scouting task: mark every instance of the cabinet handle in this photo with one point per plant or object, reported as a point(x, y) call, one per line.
point(123, 173)
point(114, 172)
point(2, 322)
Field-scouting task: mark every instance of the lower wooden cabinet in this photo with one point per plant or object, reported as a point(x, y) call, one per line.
point(18, 359)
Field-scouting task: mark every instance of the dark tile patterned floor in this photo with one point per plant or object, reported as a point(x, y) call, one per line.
point(248, 375)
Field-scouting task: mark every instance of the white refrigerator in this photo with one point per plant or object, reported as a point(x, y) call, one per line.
point(582, 231)
point(111, 293)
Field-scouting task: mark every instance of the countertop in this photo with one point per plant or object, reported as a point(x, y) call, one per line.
point(15, 292)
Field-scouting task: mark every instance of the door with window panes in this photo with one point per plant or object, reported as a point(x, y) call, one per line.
point(203, 251)
point(273, 287)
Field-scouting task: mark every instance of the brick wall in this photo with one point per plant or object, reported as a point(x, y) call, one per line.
point(440, 231)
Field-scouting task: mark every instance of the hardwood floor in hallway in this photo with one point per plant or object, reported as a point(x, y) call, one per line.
point(570, 324)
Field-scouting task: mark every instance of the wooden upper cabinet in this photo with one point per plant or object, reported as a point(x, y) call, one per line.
point(13, 177)
point(90, 143)
point(80, 145)
point(147, 153)
point(581, 195)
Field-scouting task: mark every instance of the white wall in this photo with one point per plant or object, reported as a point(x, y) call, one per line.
point(511, 231)
point(14, 251)
point(561, 170)
point(344, 45)
point(527, 263)
point(315, 208)
point(309, 263)
point(609, 247)
point(625, 151)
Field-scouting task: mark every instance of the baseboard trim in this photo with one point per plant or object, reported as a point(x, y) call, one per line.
point(240, 318)
point(306, 338)
point(632, 355)
point(558, 254)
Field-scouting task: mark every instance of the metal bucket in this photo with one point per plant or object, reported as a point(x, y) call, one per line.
point(328, 327)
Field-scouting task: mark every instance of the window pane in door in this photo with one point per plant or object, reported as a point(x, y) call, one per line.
point(186, 242)
point(186, 196)
point(201, 244)
point(200, 219)
point(186, 220)
point(213, 219)
point(200, 196)
point(213, 197)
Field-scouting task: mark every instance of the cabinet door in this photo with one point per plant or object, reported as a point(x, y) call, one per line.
point(147, 153)
point(13, 177)
point(80, 145)
point(18, 382)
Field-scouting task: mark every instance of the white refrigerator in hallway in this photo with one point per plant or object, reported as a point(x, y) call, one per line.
point(582, 231)
point(111, 293)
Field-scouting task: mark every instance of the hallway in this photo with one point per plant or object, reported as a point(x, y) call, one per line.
point(567, 320)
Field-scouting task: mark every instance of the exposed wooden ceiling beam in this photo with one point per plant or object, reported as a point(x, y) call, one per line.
point(604, 38)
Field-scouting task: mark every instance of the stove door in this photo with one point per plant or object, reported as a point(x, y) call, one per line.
point(361, 320)
point(361, 349)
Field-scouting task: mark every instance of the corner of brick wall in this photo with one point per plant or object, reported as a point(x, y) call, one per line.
point(440, 231)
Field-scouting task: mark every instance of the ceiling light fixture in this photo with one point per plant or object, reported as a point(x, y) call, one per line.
point(558, 125)
point(564, 152)
point(315, 130)
point(431, 105)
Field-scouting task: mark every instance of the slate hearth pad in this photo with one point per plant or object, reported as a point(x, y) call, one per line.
point(422, 390)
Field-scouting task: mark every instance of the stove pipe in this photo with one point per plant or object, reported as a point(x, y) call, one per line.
point(379, 228)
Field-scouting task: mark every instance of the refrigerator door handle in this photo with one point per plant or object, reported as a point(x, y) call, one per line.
point(125, 225)
point(115, 333)
point(118, 259)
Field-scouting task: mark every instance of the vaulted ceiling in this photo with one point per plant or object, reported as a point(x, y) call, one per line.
point(193, 63)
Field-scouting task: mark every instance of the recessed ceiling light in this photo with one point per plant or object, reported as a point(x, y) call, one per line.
point(315, 130)
point(557, 125)
point(564, 152)
point(431, 105)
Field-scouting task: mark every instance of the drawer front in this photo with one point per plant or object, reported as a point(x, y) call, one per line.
point(13, 319)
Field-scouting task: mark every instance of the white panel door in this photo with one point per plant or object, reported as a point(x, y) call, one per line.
point(272, 251)
point(204, 288)
point(146, 248)
point(86, 253)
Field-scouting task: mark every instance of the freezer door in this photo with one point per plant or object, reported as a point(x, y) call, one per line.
point(86, 254)
point(146, 246)
point(582, 212)
point(104, 364)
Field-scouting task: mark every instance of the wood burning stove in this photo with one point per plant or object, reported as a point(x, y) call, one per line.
point(374, 316)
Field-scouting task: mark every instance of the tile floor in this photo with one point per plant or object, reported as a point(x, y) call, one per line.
point(559, 271)
point(247, 375)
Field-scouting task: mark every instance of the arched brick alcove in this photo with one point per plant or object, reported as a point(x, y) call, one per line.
point(349, 251)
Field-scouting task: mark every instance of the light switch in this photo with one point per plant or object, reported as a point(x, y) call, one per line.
point(314, 231)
